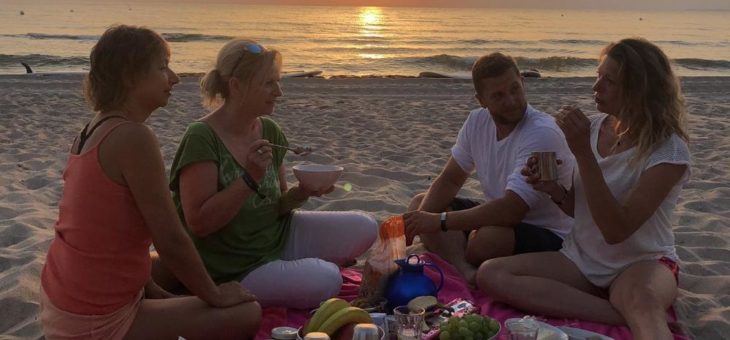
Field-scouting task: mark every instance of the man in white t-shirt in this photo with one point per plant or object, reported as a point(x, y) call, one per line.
point(495, 141)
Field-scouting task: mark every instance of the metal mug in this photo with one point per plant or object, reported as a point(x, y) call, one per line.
point(547, 165)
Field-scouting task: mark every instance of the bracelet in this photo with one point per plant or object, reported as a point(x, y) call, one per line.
point(251, 183)
point(562, 200)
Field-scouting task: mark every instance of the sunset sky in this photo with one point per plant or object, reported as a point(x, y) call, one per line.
point(611, 4)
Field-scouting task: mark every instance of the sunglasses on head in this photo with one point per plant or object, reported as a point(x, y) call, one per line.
point(252, 48)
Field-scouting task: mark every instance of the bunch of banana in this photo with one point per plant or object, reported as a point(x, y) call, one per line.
point(334, 314)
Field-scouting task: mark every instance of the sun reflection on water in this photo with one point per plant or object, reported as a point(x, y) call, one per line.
point(371, 21)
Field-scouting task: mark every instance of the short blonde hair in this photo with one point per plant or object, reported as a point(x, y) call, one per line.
point(122, 55)
point(243, 59)
point(652, 105)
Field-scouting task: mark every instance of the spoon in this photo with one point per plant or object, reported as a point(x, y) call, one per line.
point(298, 150)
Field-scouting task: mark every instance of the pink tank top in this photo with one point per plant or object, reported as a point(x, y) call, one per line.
point(99, 259)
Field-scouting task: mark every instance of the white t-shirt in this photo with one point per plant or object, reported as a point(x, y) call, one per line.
point(599, 261)
point(498, 163)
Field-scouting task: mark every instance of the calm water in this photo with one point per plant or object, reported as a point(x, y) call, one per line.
point(58, 35)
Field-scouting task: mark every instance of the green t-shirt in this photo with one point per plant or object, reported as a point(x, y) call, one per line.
point(257, 234)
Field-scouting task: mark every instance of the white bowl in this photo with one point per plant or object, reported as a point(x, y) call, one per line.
point(317, 176)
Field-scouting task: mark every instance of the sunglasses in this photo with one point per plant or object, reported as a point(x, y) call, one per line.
point(252, 48)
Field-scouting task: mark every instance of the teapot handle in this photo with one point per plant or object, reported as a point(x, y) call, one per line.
point(418, 258)
point(441, 273)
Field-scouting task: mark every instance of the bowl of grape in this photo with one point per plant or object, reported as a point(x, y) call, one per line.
point(468, 327)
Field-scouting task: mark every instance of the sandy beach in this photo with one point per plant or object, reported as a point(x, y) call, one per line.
point(392, 136)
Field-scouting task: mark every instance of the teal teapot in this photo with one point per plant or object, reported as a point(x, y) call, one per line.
point(410, 282)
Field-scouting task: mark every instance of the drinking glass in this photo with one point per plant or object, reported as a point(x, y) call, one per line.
point(522, 329)
point(409, 322)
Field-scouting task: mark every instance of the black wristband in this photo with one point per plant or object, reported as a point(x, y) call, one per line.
point(251, 183)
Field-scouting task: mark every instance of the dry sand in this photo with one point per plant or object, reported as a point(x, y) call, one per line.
point(392, 136)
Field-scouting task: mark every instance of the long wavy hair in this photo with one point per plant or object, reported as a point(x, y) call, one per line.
point(652, 105)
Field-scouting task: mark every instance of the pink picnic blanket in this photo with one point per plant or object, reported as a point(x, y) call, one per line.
point(454, 287)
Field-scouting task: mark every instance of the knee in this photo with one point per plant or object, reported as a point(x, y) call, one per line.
point(641, 300)
point(491, 277)
point(416, 201)
point(363, 229)
point(241, 321)
point(251, 318)
point(325, 283)
point(367, 228)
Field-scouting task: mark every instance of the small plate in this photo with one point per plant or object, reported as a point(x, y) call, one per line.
point(546, 331)
point(577, 333)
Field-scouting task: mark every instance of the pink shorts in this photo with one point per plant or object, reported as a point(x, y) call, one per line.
point(673, 267)
point(62, 325)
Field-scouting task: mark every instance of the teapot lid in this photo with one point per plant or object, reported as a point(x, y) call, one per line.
point(409, 262)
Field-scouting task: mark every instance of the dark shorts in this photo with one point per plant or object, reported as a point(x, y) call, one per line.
point(528, 238)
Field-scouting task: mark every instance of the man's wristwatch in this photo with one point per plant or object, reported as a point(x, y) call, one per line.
point(443, 222)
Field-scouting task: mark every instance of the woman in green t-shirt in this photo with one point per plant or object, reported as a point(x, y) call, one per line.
point(230, 188)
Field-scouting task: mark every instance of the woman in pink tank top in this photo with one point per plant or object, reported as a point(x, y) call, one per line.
point(96, 282)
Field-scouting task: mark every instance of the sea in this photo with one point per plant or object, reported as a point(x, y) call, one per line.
point(57, 36)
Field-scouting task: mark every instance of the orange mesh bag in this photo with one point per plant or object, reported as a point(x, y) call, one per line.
point(390, 246)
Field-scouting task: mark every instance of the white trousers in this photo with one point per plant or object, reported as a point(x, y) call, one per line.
point(308, 271)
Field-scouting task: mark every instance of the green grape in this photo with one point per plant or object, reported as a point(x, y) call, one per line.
point(445, 335)
point(493, 325)
point(463, 323)
point(472, 317)
point(474, 326)
point(464, 331)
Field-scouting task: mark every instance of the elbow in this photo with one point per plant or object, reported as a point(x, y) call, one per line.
point(197, 226)
point(514, 216)
point(198, 231)
point(513, 219)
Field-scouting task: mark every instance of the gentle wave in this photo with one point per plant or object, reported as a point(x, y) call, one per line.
point(170, 37)
point(43, 36)
point(555, 63)
point(193, 37)
point(42, 60)
point(189, 37)
point(702, 64)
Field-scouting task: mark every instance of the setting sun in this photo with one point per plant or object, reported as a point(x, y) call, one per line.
point(371, 16)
